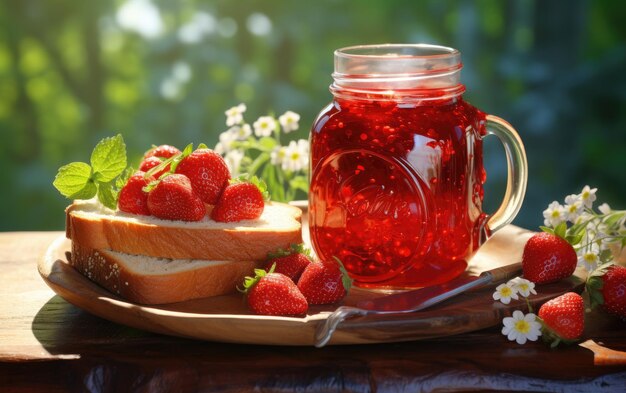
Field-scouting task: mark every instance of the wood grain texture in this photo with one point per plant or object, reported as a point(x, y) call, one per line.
point(46, 344)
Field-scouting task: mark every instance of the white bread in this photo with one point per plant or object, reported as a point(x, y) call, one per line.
point(147, 280)
point(95, 227)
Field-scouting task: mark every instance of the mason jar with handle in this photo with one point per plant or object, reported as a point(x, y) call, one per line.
point(397, 168)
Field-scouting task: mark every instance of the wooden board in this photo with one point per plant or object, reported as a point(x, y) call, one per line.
point(227, 319)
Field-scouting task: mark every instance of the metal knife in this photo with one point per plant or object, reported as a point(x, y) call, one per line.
point(414, 300)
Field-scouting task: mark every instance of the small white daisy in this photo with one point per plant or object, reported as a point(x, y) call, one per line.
point(242, 132)
point(277, 155)
point(289, 121)
point(573, 207)
point(523, 287)
point(234, 115)
point(264, 126)
point(588, 196)
point(233, 160)
point(554, 215)
point(296, 157)
point(589, 257)
point(504, 293)
point(521, 328)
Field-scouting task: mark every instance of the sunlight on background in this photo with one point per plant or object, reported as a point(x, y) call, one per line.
point(159, 71)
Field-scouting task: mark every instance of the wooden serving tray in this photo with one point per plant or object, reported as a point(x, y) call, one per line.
point(227, 318)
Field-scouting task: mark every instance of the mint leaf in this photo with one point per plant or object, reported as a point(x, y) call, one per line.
point(107, 196)
point(122, 179)
point(108, 159)
point(74, 181)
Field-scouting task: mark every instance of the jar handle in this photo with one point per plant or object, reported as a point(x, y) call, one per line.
point(517, 173)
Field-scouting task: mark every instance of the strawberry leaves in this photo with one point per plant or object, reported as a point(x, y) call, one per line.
point(103, 178)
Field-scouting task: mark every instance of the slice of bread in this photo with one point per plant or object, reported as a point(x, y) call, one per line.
point(148, 280)
point(95, 227)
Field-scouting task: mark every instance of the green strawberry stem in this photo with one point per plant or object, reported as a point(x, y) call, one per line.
point(250, 282)
point(293, 249)
point(345, 277)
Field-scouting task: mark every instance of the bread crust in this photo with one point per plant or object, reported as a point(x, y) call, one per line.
point(101, 232)
point(113, 272)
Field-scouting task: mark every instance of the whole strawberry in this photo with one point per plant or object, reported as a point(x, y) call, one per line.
point(132, 198)
point(290, 262)
point(548, 258)
point(239, 201)
point(207, 172)
point(563, 318)
point(151, 162)
point(272, 293)
point(174, 199)
point(614, 291)
point(163, 151)
point(607, 286)
point(324, 282)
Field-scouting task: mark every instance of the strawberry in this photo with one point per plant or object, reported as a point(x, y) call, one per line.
point(151, 162)
point(548, 258)
point(324, 282)
point(174, 199)
point(163, 151)
point(614, 291)
point(132, 199)
point(290, 262)
point(272, 293)
point(607, 286)
point(239, 201)
point(207, 172)
point(563, 318)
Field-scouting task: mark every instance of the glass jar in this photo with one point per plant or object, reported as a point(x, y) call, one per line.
point(397, 168)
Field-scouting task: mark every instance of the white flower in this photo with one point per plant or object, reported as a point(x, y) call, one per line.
point(226, 142)
point(296, 156)
point(289, 121)
point(264, 126)
point(584, 217)
point(521, 328)
point(277, 155)
point(241, 133)
point(234, 115)
point(573, 207)
point(604, 208)
point(589, 257)
point(588, 196)
point(233, 160)
point(522, 286)
point(554, 214)
point(504, 293)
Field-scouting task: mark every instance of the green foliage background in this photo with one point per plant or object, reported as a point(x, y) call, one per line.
point(71, 75)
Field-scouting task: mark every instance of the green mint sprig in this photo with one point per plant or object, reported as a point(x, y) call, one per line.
point(103, 177)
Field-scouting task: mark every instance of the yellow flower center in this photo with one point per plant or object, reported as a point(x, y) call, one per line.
point(555, 214)
point(505, 292)
point(522, 326)
point(590, 257)
point(586, 195)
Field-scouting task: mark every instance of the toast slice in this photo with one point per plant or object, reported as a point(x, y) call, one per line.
point(148, 280)
point(95, 227)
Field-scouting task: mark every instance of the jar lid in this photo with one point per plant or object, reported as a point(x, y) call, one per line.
point(398, 67)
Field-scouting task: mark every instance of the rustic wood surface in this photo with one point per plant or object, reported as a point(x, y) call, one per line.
point(46, 344)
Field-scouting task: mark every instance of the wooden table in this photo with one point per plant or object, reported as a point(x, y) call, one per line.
point(49, 345)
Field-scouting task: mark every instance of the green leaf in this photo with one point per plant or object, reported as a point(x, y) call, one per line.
point(108, 159)
point(74, 181)
point(345, 277)
point(121, 180)
point(267, 143)
point(300, 183)
point(574, 239)
point(107, 196)
point(547, 229)
point(560, 230)
point(613, 218)
point(202, 146)
point(179, 157)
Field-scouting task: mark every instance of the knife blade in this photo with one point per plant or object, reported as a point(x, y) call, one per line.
point(413, 300)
